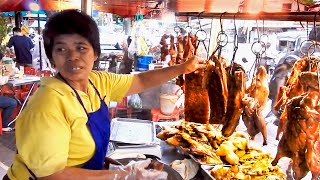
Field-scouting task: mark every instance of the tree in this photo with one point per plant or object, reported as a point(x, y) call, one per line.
point(4, 30)
point(306, 2)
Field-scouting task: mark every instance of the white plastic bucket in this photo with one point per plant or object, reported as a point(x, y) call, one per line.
point(167, 103)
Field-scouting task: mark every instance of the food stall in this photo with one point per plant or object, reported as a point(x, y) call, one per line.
point(225, 133)
point(211, 132)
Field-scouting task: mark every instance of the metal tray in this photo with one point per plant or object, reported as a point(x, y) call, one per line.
point(207, 168)
point(134, 132)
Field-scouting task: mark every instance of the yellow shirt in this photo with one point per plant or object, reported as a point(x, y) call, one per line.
point(51, 131)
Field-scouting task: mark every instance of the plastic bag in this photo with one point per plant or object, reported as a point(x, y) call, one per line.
point(132, 49)
point(138, 44)
point(142, 47)
point(137, 170)
point(135, 101)
point(186, 168)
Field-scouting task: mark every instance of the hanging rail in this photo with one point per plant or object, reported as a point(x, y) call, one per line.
point(276, 16)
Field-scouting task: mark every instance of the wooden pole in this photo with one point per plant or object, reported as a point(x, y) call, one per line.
point(86, 6)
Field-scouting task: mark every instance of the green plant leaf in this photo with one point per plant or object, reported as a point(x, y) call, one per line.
point(306, 2)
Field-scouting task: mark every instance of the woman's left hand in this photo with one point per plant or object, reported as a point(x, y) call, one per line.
point(193, 64)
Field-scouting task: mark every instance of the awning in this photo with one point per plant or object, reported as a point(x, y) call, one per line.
point(47, 5)
point(128, 8)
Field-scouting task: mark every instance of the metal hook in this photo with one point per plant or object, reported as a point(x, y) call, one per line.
point(258, 32)
point(221, 29)
point(176, 28)
point(262, 26)
point(199, 19)
point(314, 25)
point(222, 40)
point(201, 35)
point(188, 28)
point(308, 51)
point(235, 43)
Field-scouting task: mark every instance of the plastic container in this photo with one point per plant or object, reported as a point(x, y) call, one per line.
point(143, 62)
point(167, 103)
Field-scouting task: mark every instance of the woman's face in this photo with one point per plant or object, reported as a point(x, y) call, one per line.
point(73, 56)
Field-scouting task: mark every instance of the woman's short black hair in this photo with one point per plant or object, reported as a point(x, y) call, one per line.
point(71, 22)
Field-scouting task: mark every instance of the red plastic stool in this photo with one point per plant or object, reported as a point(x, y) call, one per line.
point(157, 115)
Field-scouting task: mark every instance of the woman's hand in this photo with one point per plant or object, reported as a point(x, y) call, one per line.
point(194, 64)
point(145, 80)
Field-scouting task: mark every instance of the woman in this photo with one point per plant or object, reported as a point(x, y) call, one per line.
point(64, 131)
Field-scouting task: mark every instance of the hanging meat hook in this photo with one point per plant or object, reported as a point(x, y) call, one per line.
point(310, 50)
point(258, 48)
point(188, 28)
point(235, 44)
point(222, 40)
point(201, 36)
point(177, 28)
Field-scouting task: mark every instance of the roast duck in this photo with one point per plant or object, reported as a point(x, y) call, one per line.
point(299, 120)
point(218, 95)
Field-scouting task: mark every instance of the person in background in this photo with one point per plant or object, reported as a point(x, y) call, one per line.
point(126, 64)
point(22, 47)
point(1, 55)
point(64, 131)
point(7, 104)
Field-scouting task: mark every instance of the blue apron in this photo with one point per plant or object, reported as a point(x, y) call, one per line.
point(99, 126)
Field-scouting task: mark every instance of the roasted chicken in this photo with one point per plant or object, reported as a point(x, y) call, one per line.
point(254, 102)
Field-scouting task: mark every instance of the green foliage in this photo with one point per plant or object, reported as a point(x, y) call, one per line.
point(4, 30)
point(306, 2)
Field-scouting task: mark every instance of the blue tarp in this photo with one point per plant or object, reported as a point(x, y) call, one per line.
point(23, 13)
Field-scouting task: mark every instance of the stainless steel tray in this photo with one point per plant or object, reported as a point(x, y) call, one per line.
point(132, 132)
point(207, 168)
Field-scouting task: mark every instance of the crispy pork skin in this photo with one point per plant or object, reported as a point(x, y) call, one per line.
point(196, 106)
point(236, 91)
point(216, 83)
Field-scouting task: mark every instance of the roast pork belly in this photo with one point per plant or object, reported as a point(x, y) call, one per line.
point(196, 106)
point(236, 91)
point(215, 80)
